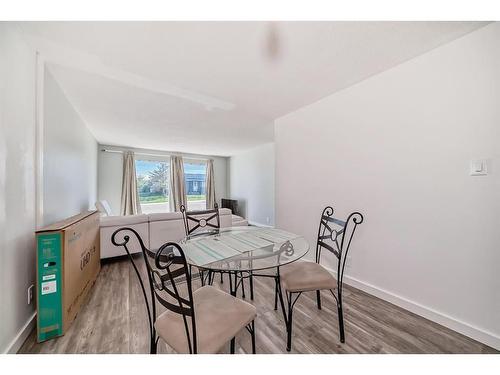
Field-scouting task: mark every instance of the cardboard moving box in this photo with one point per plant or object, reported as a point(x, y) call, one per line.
point(68, 262)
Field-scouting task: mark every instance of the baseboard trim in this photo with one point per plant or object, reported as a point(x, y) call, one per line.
point(485, 337)
point(22, 335)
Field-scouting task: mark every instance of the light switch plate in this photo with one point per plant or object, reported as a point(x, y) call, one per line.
point(479, 167)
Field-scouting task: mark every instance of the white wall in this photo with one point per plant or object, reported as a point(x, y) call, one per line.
point(397, 148)
point(251, 182)
point(110, 169)
point(69, 157)
point(109, 181)
point(17, 183)
point(67, 147)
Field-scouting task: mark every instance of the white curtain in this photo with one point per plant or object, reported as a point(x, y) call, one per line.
point(177, 195)
point(210, 185)
point(130, 197)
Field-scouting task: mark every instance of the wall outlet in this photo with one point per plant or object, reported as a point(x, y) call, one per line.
point(30, 293)
point(268, 220)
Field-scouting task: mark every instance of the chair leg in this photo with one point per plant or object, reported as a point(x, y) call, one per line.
point(242, 286)
point(282, 302)
point(276, 293)
point(341, 321)
point(231, 290)
point(287, 319)
point(233, 340)
point(153, 346)
point(221, 279)
point(289, 324)
point(251, 286)
point(252, 332)
point(318, 299)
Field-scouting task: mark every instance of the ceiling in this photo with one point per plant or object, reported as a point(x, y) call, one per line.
point(216, 87)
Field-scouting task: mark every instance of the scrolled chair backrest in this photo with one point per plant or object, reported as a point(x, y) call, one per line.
point(169, 282)
point(197, 220)
point(335, 236)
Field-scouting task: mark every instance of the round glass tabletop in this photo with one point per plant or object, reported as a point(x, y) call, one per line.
point(244, 249)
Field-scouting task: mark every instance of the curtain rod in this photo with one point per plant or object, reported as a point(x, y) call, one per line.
point(146, 154)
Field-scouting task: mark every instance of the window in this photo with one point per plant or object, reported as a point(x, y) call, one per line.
point(195, 174)
point(152, 185)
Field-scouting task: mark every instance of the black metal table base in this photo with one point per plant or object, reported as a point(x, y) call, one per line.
point(237, 281)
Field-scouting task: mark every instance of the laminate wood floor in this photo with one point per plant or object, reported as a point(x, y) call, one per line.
point(115, 321)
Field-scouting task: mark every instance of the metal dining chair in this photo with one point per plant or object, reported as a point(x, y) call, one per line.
point(335, 236)
point(197, 221)
point(207, 222)
point(202, 222)
point(202, 321)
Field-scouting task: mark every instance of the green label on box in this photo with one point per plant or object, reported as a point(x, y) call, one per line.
point(50, 319)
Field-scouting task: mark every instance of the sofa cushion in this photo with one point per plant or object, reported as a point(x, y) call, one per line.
point(178, 215)
point(238, 221)
point(165, 231)
point(163, 216)
point(109, 250)
point(155, 229)
point(121, 221)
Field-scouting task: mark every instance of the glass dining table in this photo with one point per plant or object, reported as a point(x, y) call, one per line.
point(243, 252)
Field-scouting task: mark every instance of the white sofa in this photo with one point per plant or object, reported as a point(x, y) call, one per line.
point(154, 229)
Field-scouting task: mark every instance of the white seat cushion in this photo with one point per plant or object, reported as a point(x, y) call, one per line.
point(303, 276)
point(218, 316)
